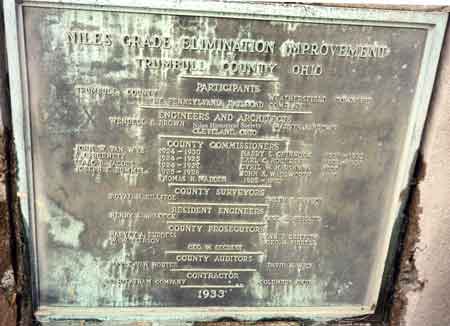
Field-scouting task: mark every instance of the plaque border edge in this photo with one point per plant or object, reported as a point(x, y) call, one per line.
point(433, 22)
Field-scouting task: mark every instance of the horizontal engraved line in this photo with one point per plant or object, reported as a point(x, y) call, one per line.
point(231, 78)
point(214, 252)
point(217, 222)
point(225, 109)
point(237, 286)
point(217, 204)
point(224, 138)
point(171, 184)
point(213, 270)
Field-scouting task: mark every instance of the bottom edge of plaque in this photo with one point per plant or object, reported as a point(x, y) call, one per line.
point(186, 314)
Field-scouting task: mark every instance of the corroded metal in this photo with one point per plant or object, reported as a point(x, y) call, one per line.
point(193, 166)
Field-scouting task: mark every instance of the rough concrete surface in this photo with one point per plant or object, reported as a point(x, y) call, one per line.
point(15, 290)
point(407, 279)
point(423, 288)
point(8, 307)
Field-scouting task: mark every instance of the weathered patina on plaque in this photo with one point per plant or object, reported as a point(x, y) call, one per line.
point(196, 161)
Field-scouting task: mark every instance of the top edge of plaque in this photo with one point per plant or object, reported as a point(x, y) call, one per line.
point(253, 9)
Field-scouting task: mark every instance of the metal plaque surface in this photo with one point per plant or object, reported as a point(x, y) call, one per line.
point(227, 160)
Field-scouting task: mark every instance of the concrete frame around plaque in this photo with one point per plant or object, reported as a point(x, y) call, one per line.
point(433, 23)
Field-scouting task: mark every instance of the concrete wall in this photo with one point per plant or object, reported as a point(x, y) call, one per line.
point(424, 284)
point(8, 290)
point(15, 292)
point(8, 308)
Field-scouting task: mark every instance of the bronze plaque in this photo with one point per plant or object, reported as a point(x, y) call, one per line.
point(230, 164)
